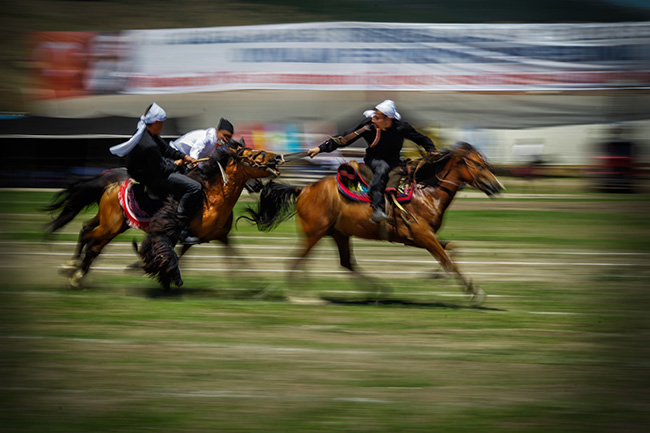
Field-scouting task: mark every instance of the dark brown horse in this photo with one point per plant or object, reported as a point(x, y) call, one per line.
point(323, 211)
point(213, 222)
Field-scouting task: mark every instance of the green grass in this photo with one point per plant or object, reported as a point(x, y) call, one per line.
point(556, 348)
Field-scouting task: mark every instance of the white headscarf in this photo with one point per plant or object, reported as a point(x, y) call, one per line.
point(387, 107)
point(155, 114)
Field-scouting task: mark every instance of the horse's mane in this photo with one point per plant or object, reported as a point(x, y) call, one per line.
point(428, 167)
point(210, 168)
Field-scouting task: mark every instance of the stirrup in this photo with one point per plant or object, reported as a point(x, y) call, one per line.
point(378, 216)
point(187, 239)
point(184, 237)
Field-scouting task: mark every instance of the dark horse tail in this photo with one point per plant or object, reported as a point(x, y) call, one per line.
point(277, 204)
point(79, 195)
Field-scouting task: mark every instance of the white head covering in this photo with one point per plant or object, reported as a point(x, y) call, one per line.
point(155, 114)
point(387, 107)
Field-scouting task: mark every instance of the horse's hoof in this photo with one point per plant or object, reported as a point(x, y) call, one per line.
point(75, 280)
point(69, 267)
point(448, 245)
point(306, 301)
point(478, 298)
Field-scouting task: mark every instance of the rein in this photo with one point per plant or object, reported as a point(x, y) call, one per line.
point(249, 160)
point(456, 184)
point(439, 178)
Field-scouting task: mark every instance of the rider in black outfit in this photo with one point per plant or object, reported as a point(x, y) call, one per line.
point(151, 161)
point(385, 137)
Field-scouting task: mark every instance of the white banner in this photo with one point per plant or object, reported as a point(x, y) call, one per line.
point(383, 56)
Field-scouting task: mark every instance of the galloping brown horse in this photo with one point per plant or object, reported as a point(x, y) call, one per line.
point(212, 223)
point(323, 211)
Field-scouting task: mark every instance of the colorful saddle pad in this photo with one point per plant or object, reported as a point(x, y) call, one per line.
point(137, 205)
point(353, 180)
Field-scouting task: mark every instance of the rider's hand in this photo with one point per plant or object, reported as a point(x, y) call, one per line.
point(313, 152)
point(178, 162)
point(188, 159)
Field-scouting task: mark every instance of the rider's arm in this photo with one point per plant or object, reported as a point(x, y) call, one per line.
point(334, 143)
point(154, 163)
point(167, 151)
point(196, 150)
point(328, 145)
point(417, 138)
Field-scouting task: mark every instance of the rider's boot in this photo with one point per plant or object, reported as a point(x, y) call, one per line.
point(378, 214)
point(185, 238)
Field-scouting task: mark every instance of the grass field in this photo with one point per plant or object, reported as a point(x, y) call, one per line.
point(560, 345)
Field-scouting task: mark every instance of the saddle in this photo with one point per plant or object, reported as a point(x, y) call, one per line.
point(137, 204)
point(353, 180)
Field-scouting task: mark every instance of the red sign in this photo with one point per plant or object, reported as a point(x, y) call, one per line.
point(60, 61)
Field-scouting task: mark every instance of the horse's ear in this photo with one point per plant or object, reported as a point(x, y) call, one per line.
point(237, 145)
point(463, 145)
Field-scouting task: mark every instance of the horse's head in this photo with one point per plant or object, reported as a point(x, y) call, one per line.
point(474, 170)
point(262, 163)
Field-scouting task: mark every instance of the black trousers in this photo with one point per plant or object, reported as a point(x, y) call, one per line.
point(380, 169)
point(186, 190)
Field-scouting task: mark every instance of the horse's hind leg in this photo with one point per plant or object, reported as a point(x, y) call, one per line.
point(73, 264)
point(345, 251)
point(368, 283)
point(95, 241)
point(293, 279)
point(310, 242)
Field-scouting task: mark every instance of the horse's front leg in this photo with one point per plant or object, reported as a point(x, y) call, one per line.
point(184, 248)
point(425, 238)
point(236, 260)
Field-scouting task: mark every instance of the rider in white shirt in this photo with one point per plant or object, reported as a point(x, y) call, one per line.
point(201, 143)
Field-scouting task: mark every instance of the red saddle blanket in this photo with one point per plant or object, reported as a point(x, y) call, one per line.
point(353, 180)
point(137, 205)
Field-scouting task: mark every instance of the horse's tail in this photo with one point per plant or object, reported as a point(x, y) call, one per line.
point(79, 195)
point(72, 200)
point(277, 204)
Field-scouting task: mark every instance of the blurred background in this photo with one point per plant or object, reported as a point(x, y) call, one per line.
point(549, 88)
point(553, 91)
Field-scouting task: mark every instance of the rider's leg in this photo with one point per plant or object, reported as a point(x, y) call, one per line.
point(380, 169)
point(190, 195)
point(188, 191)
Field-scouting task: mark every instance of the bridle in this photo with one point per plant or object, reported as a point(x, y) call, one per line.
point(250, 160)
point(442, 179)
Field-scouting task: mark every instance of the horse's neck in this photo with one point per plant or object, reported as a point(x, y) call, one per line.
point(229, 189)
point(444, 192)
